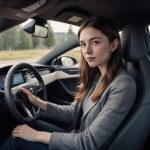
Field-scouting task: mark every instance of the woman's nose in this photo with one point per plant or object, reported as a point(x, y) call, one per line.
point(88, 49)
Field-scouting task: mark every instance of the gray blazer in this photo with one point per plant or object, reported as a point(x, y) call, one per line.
point(100, 122)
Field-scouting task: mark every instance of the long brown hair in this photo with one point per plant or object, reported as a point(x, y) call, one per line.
point(87, 74)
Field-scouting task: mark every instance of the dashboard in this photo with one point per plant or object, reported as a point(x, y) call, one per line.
point(23, 75)
point(18, 79)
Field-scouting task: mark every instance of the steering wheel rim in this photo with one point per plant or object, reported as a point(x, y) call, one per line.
point(12, 93)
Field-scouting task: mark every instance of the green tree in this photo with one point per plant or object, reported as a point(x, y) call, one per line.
point(9, 39)
point(35, 42)
point(25, 41)
point(2, 45)
point(70, 33)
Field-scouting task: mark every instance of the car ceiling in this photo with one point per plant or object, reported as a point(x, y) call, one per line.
point(13, 12)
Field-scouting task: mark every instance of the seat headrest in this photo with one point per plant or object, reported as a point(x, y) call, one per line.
point(133, 43)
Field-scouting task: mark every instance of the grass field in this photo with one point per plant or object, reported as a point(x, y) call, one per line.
point(32, 54)
point(22, 54)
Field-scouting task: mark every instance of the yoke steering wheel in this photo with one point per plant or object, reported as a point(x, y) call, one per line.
point(16, 101)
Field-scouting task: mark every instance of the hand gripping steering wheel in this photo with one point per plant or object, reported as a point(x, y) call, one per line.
point(16, 101)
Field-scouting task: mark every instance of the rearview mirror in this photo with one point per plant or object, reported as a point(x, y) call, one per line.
point(36, 28)
point(40, 31)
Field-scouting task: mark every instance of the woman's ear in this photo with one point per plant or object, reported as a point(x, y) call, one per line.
point(114, 45)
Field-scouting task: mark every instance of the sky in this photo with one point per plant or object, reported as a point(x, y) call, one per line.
point(62, 27)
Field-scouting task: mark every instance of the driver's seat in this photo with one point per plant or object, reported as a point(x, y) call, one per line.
point(135, 130)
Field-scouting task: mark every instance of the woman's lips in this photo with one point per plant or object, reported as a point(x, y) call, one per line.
point(90, 58)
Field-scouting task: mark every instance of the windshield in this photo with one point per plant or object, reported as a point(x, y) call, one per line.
point(17, 45)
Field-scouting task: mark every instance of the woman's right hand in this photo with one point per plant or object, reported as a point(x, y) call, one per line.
point(30, 96)
point(35, 100)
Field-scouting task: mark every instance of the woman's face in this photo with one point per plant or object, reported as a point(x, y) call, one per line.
point(96, 47)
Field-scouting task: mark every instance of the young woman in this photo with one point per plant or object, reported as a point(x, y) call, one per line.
point(105, 95)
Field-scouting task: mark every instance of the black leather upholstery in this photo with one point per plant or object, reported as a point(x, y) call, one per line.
point(135, 129)
point(133, 43)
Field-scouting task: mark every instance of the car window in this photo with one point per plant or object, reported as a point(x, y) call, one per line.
point(22, 46)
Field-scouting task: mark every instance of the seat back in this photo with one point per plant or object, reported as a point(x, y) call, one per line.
point(135, 129)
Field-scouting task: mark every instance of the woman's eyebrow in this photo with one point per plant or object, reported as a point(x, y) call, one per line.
point(95, 38)
point(81, 42)
point(91, 39)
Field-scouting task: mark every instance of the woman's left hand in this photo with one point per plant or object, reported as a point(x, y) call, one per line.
point(25, 132)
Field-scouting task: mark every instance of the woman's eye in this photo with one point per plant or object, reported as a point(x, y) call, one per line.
point(95, 42)
point(82, 44)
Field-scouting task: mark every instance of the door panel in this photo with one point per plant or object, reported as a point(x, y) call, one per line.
point(62, 91)
point(61, 87)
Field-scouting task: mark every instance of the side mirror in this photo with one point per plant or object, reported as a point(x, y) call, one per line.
point(36, 28)
point(65, 61)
